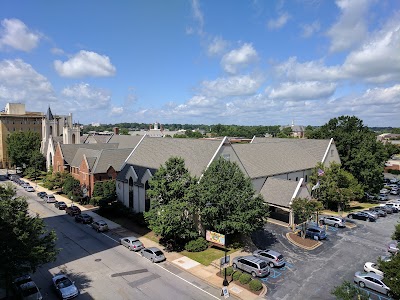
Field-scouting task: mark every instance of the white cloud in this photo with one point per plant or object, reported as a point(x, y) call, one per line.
point(308, 71)
point(309, 90)
point(57, 51)
point(279, 22)
point(232, 86)
point(15, 34)
point(351, 27)
point(85, 97)
point(198, 18)
point(117, 111)
point(310, 29)
point(217, 46)
point(85, 63)
point(389, 96)
point(378, 60)
point(239, 58)
point(20, 82)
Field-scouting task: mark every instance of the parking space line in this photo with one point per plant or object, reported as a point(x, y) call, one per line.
point(369, 292)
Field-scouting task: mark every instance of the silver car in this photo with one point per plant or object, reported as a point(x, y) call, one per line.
point(255, 266)
point(132, 243)
point(153, 253)
point(372, 281)
point(333, 221)
point(100, 226)
point(65, 287)
point(50, 199)
point(273, 258)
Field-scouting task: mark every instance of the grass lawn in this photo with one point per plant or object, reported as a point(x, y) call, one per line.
point(207, 256)
point(354, 206)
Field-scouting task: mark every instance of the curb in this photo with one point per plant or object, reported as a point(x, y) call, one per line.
point(301, 246)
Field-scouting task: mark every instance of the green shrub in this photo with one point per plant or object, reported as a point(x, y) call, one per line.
point(95, 201)
point(255, 285)
point(229, 271)
point(198, 245)
point(245, 278)
point(236, 275)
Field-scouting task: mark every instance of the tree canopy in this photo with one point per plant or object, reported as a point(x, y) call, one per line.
point(171, 202)
point(391, 269)
point(25, 243)
point(335, 186)
point(22, 146)
point(349, 291)
point(360, 153)
point(227, 200)
point(303, 209)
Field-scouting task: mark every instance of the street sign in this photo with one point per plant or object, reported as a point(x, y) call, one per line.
point(225, 292)
point(215, 237)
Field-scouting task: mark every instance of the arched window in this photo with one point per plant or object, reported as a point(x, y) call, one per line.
point(51, 130)
point(146, 197)
point(73, 138)
point(131, 193)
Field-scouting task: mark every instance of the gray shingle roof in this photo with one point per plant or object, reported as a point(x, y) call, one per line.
point(278, 191)
point(125, 141)
point(154, 152)
point(91, 161)
point(277, 156)
point(69, 150)
point(89, 153)
point(111, 158)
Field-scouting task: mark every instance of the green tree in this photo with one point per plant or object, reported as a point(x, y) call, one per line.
point(172, 190)
point(360, 153)
point(21, 146)
point(391, 269)
point(70, 184)
point(25, 244)
point(348, 291)
point(303, 209)
point(227, 200)
point(396, 233)
point(124, 131)
point(285, 132)
point(98, 190)
point(337, 187)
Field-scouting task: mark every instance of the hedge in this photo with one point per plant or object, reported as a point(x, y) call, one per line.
point(196, 245)
point(245, 278)
point(229, 271)
point(255, 285)
point(236, 275)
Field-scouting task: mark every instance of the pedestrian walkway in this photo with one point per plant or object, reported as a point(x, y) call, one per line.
point(205, 273)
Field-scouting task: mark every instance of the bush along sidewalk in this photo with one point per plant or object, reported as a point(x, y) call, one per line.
point(244, 280)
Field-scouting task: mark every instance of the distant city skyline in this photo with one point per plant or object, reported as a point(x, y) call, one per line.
point(203, 62)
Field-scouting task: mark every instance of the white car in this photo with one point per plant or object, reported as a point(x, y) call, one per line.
point(29, 189)
point(384, 191)
point(372, 267)
point(65, 287)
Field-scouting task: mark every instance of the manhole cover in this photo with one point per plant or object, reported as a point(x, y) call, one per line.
point(97, 259)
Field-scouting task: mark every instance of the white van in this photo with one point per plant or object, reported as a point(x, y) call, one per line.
point(395, 204)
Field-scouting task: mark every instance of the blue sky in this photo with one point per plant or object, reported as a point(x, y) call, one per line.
point(203, 62)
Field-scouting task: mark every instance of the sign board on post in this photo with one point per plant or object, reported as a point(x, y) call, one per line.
point(225, 292)
point(215, 237)
point(224, 263)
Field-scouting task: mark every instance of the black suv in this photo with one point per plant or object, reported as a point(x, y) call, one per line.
point(73, 210)
point(84, 219)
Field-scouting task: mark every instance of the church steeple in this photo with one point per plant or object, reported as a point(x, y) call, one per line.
point(49, 114)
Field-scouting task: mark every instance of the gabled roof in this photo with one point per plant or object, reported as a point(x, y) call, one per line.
point(110, 158)
point(278, 191)
point(69, 150)
point(91, 161)
point(153, 152)
point(279, 156)
point(125, 141)
point(81, 152)
point(83, 138)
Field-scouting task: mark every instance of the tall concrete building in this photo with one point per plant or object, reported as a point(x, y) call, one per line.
point(14, 118)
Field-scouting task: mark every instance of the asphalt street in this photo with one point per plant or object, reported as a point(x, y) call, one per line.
point(103, 269)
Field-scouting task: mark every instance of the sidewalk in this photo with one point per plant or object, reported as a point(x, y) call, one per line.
point(205, 273)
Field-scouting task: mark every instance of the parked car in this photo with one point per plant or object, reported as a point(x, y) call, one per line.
point(251, 264)
point(50, 199)
point(132, 243)
point(315, 232)
point(394, 204)
point(273, 258)
point(60, 205)
point(73, 210)
point(384, 191)
point(65, 287)
point(393, 247)
point(373, 214)
point(100, 226)
point(373, 268)
point(333, 221)
point(361, 215)
point(83, 218)
point(372, 281)
point(388, 207)
point(370, 196)
point(153, 253)
point(380, 212)
point(25, 288)
point(394, 180)
point(41, 194)
point(29, 189)
point(383, 197)
point(394, 192)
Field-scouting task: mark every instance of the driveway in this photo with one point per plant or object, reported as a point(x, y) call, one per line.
point(313, 274)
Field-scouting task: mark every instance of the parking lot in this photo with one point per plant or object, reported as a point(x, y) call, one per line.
point(313, 274)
